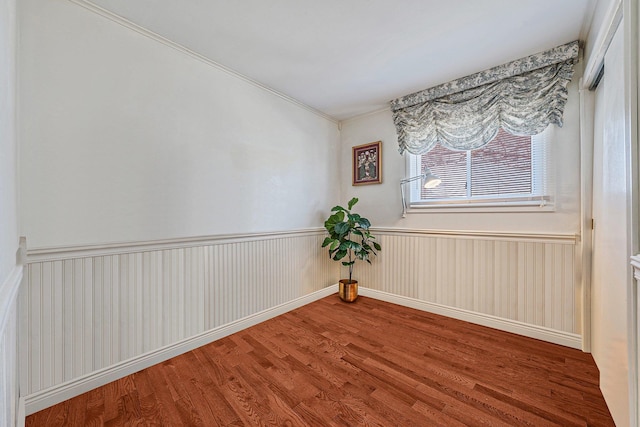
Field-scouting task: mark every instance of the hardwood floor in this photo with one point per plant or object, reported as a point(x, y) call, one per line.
point(368, 363)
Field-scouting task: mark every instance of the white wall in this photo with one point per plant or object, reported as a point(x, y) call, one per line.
point(9, 273)
point(126, 139)
point(382, 203)
point(8, 146)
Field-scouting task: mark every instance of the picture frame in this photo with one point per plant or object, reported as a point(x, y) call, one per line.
point(367, 163)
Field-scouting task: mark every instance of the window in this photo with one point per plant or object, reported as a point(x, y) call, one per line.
point(509, 171)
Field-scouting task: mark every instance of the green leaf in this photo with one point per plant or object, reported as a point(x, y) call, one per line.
point(334, 244)
point(377, 246)
point(326, 241)
point(364, 223)
point(339, 255)
point(354, 217)
point(338, 208)
point(347, 264)
point(362, 255)
point(352, 202)
point(335, 218)
point(342, 228)
point(331, 222)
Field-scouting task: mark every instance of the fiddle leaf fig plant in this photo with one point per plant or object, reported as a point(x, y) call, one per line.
point(349, 236)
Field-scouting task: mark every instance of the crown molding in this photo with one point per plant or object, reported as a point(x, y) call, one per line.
point(195, 55)
point(367, 114)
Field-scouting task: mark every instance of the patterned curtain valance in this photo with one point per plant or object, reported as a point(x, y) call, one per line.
point(523, 97)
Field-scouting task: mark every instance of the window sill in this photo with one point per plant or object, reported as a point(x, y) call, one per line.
point(469, 206)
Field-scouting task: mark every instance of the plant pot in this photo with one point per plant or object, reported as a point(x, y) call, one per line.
point(348, 290)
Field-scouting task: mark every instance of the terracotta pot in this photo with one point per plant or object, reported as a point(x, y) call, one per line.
point(348, 290)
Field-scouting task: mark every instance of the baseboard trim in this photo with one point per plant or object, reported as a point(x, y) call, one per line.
point(532, 331)
point(54, 395)
point(21, 417)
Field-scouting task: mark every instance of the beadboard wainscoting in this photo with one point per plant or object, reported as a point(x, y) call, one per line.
point(522, 283)
point(9, 348)
point(95, 314)
point(634, 343)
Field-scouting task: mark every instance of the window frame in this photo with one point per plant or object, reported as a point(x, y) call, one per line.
point(541, 199)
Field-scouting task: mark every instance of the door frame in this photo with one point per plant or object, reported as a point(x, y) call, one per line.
point(630, 10)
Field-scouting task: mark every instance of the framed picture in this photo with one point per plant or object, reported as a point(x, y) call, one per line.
point(367, 163)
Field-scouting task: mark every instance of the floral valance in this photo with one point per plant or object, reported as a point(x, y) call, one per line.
point(523, 97)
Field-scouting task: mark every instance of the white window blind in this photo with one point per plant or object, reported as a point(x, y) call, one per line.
point(508, 170)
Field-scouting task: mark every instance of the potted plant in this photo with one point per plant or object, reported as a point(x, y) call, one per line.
point(349, 237)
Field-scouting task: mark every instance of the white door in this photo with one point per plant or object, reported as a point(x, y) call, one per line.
point(610, 273)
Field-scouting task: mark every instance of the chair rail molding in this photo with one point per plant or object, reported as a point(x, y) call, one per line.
point(570, 238)
point(56, 253)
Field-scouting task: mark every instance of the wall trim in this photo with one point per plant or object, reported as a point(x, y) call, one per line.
point(567, 238)
point(609, 25)
point(56, 253)
point(183, 49)
point(54, 395)
point(363, 115)
point(532, 331)
point(21, 418)
point(583, 258)
point(9, 295)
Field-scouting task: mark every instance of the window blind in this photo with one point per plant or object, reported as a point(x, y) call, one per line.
point(510, 167)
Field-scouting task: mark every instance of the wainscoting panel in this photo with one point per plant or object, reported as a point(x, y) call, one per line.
point(9, 348)
point(93, 314)
point(523, 278)
point(90, 308)
point(634, 343)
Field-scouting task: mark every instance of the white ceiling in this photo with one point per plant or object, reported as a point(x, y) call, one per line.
point(350, 57)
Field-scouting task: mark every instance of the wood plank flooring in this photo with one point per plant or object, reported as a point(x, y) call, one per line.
point(368, 363)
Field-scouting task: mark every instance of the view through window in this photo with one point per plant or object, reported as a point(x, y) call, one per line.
point(509, 168)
